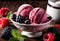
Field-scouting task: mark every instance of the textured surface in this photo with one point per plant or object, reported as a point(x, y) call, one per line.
point(13, 5)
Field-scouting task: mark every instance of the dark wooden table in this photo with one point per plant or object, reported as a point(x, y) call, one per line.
point(13, 6)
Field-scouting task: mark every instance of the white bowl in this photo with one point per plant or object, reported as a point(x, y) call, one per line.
point(31, 27)
point(30, 34)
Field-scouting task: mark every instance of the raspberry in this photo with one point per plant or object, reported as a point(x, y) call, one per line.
point(58, 27)
point(4, 12)
point(3, 22)
point(48, 37)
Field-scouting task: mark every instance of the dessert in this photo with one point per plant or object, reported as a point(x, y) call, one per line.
point(38, 15)
point(24, 17)
point(24, 10)
point(23, 13)
point(25, 21)
point(34, 15)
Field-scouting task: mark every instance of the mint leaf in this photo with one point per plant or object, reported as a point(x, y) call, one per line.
point(8, 16)
point(25, 37)
point(21, 39)
point(13, 39)
point(15, 33)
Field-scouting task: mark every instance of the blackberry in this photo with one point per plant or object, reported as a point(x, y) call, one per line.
point(6, 32)
point(14, 17)
point(27, 21)
point(20, 19)
point(53, 30)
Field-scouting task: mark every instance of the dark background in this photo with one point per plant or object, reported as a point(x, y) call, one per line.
point(14, 4)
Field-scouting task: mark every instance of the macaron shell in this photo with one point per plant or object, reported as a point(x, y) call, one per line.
point(32, 14)
point(39, 16)
point(44, 18)
point(24, 6)
point(25, 13)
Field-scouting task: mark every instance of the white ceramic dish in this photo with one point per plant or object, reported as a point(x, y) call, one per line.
point(31, 27)
point(29, 34)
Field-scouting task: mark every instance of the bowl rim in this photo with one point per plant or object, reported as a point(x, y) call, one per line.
point(30, 24)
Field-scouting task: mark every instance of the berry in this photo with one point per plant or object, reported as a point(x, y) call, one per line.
point(48, 37)
point(58, 27)
point(3, 22)
point(53, 30)
point(14, 17)
point(4, 12)
point(49, 18)
point(27, 21)
point(6, 32)
point(20, 19)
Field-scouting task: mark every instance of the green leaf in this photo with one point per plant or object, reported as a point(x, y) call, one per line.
point(25, 37)
point(8, 16)
point(15, 33)
point(13, 39)
point(21, 39)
